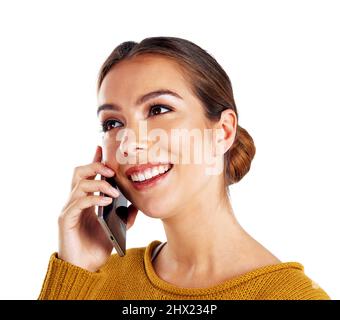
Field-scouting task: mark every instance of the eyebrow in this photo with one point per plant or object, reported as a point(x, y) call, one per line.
point(140, 100)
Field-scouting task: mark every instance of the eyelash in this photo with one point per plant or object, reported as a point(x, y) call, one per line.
point(104, 123)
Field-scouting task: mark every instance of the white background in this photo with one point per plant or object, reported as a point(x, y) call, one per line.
point(283, 61)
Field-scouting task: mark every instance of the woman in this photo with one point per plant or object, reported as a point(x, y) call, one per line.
point(207, 255)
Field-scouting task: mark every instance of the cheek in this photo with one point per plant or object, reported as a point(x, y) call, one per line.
point(189, 180)
point(109, 149)
point(191, 149)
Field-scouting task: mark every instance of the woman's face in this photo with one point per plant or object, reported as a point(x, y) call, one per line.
point(122, 86)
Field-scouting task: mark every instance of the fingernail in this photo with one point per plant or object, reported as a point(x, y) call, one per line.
point(114, 191)
point(108, 170)
point(105, 200)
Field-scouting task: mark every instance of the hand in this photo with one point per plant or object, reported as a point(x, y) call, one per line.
point(82, 240)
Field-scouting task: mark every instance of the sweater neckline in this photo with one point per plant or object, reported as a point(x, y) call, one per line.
point(171, 288)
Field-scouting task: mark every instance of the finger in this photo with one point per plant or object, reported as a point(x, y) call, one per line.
point(98, 155)
point(74, 210)
point(97, 158)
point(132, 213)
point(90, 171)
point(85, 186)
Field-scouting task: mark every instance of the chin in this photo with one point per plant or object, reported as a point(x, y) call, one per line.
point(159, 213)
point(154, 215)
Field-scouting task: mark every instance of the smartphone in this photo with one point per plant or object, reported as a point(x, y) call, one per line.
point(113, 218)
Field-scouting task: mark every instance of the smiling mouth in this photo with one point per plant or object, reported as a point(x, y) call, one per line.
point(153, 178)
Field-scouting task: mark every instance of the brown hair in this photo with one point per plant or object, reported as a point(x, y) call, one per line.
point(208, 81)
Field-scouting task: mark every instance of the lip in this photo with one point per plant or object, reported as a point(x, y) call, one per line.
point(147, 184)
point(143, 167)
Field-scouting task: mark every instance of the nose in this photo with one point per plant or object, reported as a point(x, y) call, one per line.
point(131, 145)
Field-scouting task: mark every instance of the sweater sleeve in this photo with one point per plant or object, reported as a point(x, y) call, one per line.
point(64, 280)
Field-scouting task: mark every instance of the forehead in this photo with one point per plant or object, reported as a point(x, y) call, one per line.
point(133, 77)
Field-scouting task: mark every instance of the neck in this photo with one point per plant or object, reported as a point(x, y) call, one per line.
point(203, 234)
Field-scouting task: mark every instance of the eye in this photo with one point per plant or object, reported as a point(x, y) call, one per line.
point(158, 107)
point(107, 125)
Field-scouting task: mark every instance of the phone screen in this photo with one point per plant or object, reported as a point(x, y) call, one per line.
point(113, 219)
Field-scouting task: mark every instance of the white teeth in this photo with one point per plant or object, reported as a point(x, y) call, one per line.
point(141, 177)
point(149, 173)
point(154, 171)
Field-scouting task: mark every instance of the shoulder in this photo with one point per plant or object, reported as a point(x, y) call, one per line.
point(288, 281)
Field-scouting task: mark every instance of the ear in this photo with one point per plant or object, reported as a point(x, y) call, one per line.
point(225, 132)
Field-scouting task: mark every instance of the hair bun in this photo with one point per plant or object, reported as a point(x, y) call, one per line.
point(239, 156)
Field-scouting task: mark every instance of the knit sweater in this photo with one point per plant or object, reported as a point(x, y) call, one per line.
point(133, 277)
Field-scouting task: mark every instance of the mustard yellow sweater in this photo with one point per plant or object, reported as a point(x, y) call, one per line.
point(133, 277)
